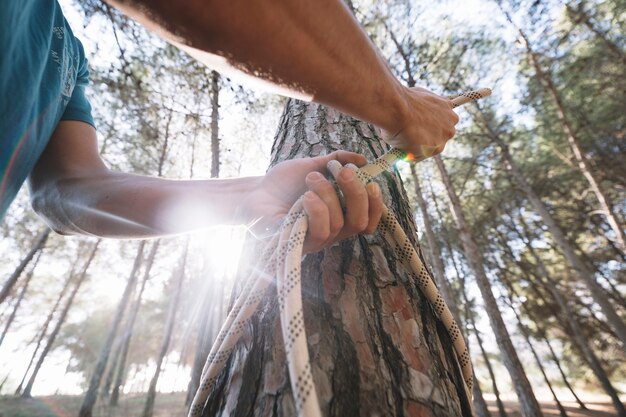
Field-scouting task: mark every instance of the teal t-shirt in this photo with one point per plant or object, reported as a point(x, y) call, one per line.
point(43, 74)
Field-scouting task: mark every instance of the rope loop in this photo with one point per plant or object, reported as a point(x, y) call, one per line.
point(281, 261)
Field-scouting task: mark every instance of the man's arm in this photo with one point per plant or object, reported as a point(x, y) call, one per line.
point(307, 49)
point(75, 192)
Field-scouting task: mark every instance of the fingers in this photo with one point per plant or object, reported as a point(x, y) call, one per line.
point(425, 125)
point(324, 211)
point(327, 221)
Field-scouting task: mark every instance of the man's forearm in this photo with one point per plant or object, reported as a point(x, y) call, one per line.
point(131, 206)
point(314, 49)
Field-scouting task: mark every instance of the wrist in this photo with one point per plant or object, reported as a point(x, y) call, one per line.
point(394, 108)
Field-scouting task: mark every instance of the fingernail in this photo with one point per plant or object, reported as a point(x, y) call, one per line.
point(374, 189)
point(347, 175)
point(315, 176)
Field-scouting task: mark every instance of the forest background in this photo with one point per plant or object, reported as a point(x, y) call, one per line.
point(551, 136)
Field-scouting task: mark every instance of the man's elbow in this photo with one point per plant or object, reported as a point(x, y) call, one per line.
point(47, 202)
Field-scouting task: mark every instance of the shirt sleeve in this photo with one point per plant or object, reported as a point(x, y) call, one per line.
point(78, 108)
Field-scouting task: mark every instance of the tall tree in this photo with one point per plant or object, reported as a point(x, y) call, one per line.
point(436, 258)
point(375, 348)
point(582, 271)
point(80, 279)
point(176, 283)
point(215, 117)
point(86, 409)
point(46, 324)
point(528, 403)
point(16, 307)
point(574, 142)
point(39, 243)
point(578, 337)
point(120, 371)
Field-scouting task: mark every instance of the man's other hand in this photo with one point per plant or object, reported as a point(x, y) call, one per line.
point(328, 221)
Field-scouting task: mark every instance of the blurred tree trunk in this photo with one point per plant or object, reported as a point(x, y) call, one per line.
point(578, 337)
point(44, 330)
point(205, 322)
point(528, 403)
point(16, 307)
point(86, 409)
point(470, 318)
point(175, 287)
point(436, 258)
point(38, 245)
point(557, 362)
point(469, 315)
point(105, 391)
point(581, 159)
point(215, 118)
point(120, 372)
point(583, 273)
point(376, 347)
point(66, 308)
point(536, 320)
point(526, 334)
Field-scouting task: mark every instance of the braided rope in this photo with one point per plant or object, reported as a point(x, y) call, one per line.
point(281, 259)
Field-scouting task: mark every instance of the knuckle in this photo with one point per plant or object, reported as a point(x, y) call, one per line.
point(359, 224)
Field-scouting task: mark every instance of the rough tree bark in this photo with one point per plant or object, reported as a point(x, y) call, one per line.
point(40, 241)
point(376, 347)
point(86, 409)
point(436, 258)
point(66, 308)
point(176, 283)
point(528, 403)
point(583, 273)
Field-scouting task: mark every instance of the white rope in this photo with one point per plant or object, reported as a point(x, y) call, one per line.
point(281, 260)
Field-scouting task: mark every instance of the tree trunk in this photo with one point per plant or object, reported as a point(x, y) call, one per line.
point(578, 337)
point(470, 318)
point(105, 391)
point(215, 117)
point(211, 318)
point(176, 283)
point(526, 333)
point(40, 241)
point(574, 143)
point(91, 396)
point(68, 304)
point(376, 347)
point(528, 403)
point(49, 318)
point(556, 360)
point(435, 251)
point(541, 330)
point(19, 299)
point(128, 332)
point(581, 270)
point(436, 258)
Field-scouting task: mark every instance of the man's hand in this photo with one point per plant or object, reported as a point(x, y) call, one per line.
point(328, 223)
point(425, 124)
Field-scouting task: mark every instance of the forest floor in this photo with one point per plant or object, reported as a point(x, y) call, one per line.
point(170, 405)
